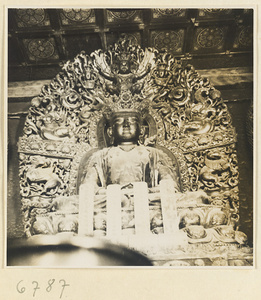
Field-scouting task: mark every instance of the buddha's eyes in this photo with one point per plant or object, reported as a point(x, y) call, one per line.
point(119, 121)
point(130, 120)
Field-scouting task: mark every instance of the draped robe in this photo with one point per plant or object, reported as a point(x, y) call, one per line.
point(117, 166)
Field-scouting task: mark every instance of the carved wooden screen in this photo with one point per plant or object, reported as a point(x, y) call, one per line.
point(191, 120)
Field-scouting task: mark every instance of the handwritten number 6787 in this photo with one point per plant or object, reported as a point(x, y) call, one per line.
point(21, 288)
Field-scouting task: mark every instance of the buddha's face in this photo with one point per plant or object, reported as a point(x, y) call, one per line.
point(126, 128)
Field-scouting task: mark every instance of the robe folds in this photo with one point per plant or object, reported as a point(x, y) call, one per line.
point(114, 165)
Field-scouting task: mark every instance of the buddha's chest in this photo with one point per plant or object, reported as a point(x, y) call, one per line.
point(127, 166)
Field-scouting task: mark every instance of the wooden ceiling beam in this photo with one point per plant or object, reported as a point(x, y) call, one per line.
point(218, 77)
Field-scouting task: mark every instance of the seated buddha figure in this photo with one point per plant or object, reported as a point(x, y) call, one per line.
point(127, 161)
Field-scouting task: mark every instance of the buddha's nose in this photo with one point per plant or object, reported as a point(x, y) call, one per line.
point(126, 123)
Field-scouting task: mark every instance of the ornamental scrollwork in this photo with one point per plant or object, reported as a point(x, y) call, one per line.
point(184, 114)
point(43, 176)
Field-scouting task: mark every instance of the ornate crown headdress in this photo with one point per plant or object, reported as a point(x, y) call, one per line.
point(125, 103)
point(126, 91)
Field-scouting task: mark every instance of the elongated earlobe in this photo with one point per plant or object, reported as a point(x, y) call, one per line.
point(109, 133)
point(142, 130)
point(142, 135)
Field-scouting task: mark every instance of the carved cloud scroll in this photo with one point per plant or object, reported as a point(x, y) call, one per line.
point(62, 125)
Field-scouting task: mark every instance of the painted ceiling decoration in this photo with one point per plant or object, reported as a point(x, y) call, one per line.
point(159, 12)
point(40, 40)
point(32, 17)
point(77, 15)
point(170, 40)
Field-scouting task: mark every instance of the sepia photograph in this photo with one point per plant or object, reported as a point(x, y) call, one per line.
point(130, 138)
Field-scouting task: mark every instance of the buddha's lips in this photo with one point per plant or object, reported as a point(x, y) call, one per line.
point(126, 131)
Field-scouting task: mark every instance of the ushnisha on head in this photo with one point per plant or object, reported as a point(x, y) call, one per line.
point(125, 127)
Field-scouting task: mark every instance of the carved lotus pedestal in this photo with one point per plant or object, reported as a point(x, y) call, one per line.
point(170, 229)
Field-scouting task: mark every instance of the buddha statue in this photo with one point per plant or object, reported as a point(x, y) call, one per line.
point(124, 163)
point(127, 161)
point(159, 198)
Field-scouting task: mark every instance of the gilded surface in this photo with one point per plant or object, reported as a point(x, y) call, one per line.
point(181, 113)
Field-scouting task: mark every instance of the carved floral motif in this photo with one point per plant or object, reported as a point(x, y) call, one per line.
point(121, 14)
point(244, 37)
point(169, 11)
point(191, 121)
point(31, 17)
point(41, 48)
point(171, 41)
point(212, 12)
point(77, 15)
point(210, 37)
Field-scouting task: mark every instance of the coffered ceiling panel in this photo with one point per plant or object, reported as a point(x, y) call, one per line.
point(215, 13)
point(41, 49)
point(243, 38)
point(77, 17)
point(46, 38)
point(171, 13)
point(171, 40)
point(123, 15)
point(209, 39)
point(26, 18)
